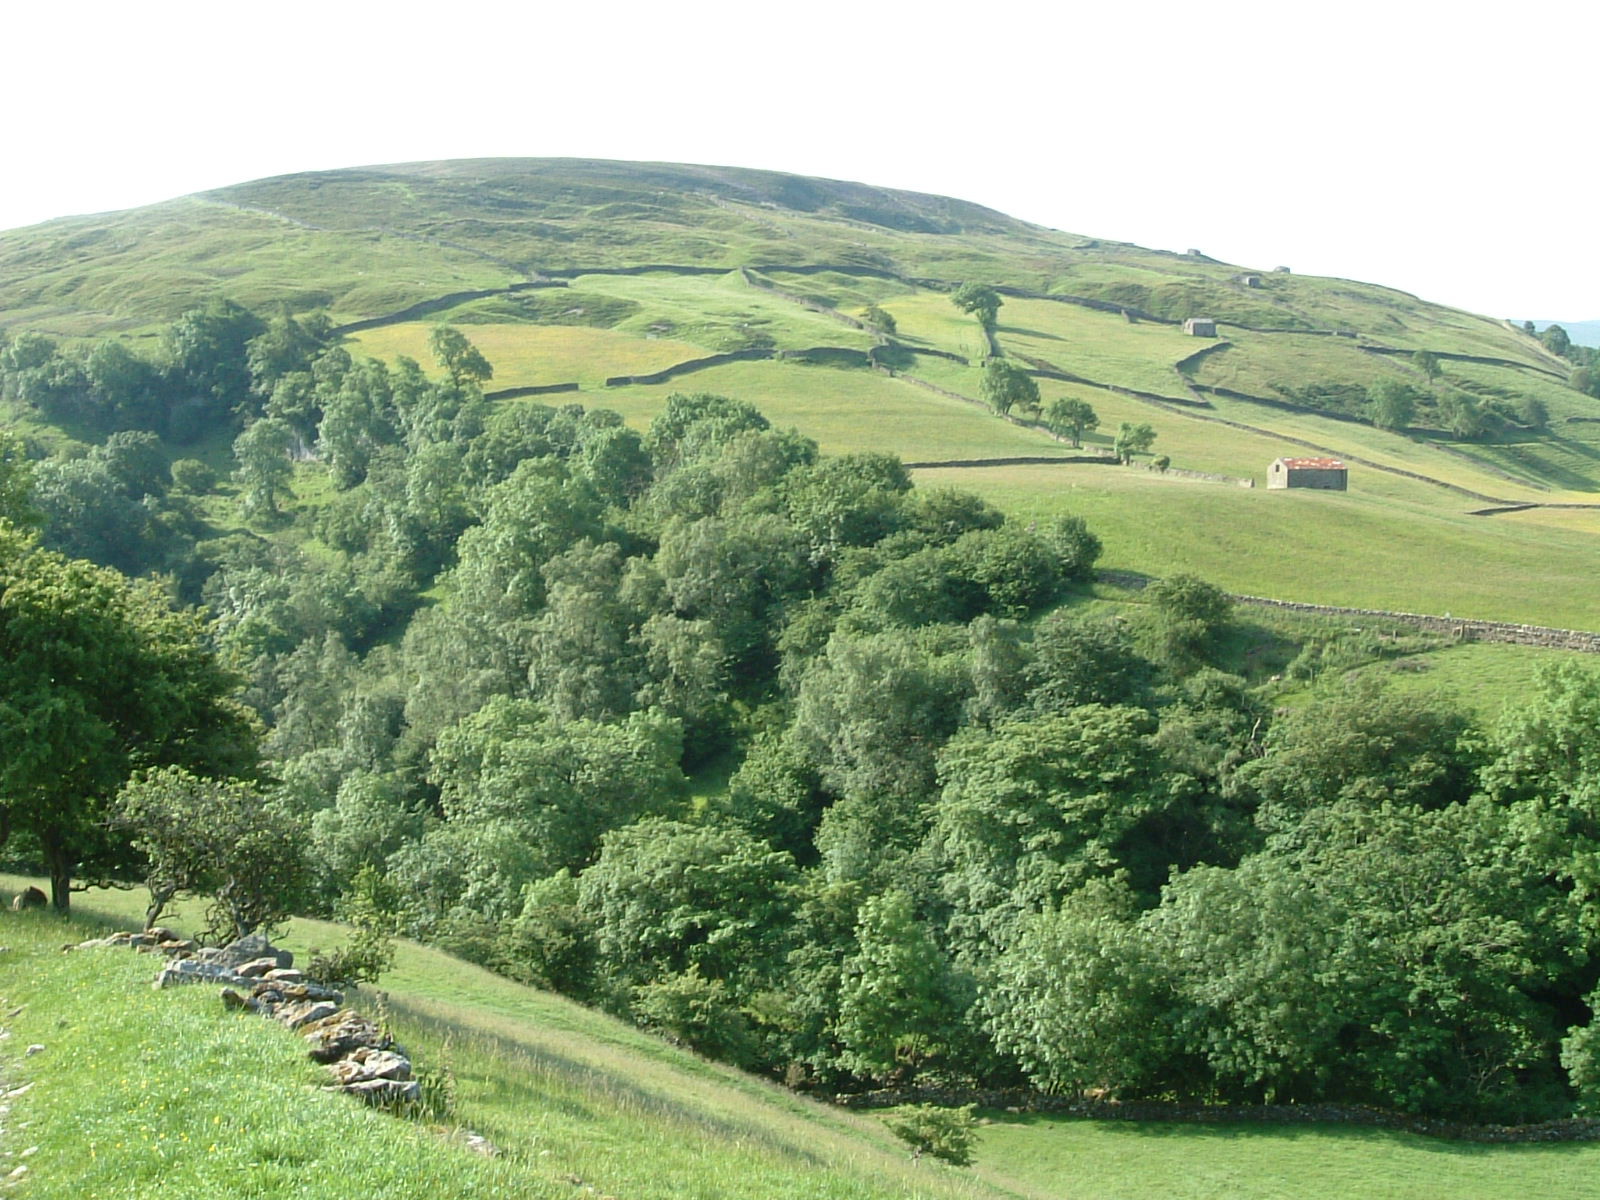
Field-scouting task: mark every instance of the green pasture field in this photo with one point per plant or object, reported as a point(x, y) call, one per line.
point(1191, 443)
point(1483, 678)
point(929, 319)
point(188, 1101)
point(1137, 1160)
point(720, 312)
point(574, 1100)
point(1396, 318)
point(1331, 548)
point(1388, 449)
point(1258, 362)
point(847, 294)
point(567, 1094)
point(534, 355)
point(1101, 346)
point(845, 410)
point(1582, 522)
point(952, 376)
point(1195, 441)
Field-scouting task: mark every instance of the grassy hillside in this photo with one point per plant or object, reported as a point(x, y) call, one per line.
point(576, 272)
point(216, 1105)
point(213, 1105)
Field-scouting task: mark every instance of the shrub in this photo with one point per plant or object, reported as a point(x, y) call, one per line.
point(945, 1133)
point(369, 906)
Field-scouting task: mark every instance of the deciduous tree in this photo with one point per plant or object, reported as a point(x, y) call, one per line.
point(979, 299)
point(98, 677)
point(1072, 417)
point(1006, 386)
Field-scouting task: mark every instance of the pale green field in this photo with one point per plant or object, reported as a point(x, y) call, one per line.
point(533, 355)
point(709, 309)
point(1581, 522)
point(1100, 346)
point(1257, 362)
point(1345, 549)
point(1113, 1160)
point(846, 293)
point(845, 410)
point(929, 319)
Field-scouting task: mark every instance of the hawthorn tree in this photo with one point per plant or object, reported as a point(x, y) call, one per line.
point(1071, 417)
point(265, 469)
point(1133, 439)
point(1391, 404)
point(220, 838)
point(461, 360)
point(979, 299)
point(1007, 386)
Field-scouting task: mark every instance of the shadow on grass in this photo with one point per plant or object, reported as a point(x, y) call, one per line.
point(1019, 331)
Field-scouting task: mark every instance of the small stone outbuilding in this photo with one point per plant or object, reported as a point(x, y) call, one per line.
point(1200, 327)
point(1249, 281)
point(1329, 474)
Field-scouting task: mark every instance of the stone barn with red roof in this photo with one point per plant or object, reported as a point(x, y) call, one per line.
point(1328, 474)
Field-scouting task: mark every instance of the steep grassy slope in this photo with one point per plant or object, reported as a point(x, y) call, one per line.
point(136, 1086)
point(211, 1106)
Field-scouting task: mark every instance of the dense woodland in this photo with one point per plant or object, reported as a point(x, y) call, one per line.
point(845, 781)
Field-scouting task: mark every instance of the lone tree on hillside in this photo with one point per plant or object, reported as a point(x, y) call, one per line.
point(219, 838)
point(265, 469)
point(1007, 386)
point(979, 299)
point(461, 360)
point(1070, 417)
point(1133, 439)
point(878, 318)
point(1427, 362)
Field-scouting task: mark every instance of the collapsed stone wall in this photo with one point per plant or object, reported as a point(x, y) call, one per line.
point(362, 1059)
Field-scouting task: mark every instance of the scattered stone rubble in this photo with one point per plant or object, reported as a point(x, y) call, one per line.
point(362, 1059)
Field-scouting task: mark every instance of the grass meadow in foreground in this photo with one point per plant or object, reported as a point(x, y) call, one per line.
point(141, 1093)
point(137, 1085)
point(1137, 1160)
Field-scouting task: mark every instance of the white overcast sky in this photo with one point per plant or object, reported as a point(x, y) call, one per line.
point(1442, 148)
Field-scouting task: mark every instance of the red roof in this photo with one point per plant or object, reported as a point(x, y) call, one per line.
point(1313, 464)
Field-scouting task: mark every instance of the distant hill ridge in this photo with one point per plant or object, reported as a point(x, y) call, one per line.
point(371, 240)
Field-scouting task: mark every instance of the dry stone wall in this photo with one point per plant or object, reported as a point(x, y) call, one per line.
point(1462, 629)
point(362, 1059)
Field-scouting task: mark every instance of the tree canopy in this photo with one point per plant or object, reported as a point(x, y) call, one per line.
point(99, 676)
